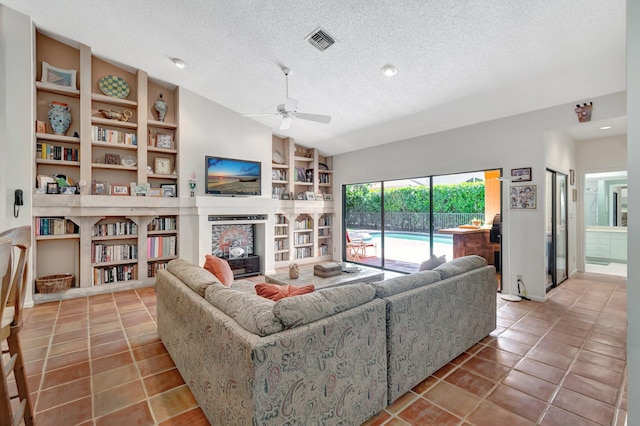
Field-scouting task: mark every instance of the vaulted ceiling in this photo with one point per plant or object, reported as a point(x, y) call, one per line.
point(458, 62)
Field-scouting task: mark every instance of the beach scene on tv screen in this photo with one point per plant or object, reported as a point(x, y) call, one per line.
point(226, 176)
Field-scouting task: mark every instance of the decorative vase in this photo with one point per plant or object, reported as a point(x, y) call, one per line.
point(59, 117)
point(161, 108)
point(294, 272)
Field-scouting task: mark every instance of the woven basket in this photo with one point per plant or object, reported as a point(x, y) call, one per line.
point(54, 283)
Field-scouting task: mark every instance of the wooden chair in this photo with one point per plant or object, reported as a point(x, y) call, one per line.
point(12, 296)
point(357, 247)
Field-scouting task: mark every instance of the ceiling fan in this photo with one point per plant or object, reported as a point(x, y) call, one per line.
point(288, 110)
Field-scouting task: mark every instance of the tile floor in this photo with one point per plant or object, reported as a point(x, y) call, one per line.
point(98, 361)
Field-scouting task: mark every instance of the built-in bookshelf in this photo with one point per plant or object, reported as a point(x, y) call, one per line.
point(162, 242)
point(114, 251)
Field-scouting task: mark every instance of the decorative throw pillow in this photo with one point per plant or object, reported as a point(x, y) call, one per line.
point(276, 292)
point(432, 262)
point(220, 268)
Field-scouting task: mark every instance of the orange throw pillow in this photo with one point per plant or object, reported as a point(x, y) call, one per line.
point(276, 292)
point(220, 268)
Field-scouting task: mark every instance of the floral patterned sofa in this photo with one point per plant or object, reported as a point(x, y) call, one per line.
point(434, 316)
point(318, 358)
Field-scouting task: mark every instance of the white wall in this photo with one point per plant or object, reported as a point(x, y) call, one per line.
point(602, 154)
point(16, 120)
point(633, 229)
point(508, 143)
point(207, 128)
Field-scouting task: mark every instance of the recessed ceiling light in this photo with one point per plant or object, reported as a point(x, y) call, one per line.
point(389, 70)
point(179, 63)
point(605, 127)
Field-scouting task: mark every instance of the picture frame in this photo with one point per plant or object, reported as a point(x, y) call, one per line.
point(162, 165)
point(300, 196)
point(68, 190)
point(521, 175)
point(164, 140)
point(139, 190)
point(328, 197)
point(43, 180)
point(301, 174)
point(52, 188)
point(572, 177)
point(523, 197)
point(155, 192)
point(309, 195)
point(168, 189)
point(285, 197)
point(41, 126)
point(319, 196)
point(58, 76)
point(112, 159)
point(120, 190)
point(98, 188)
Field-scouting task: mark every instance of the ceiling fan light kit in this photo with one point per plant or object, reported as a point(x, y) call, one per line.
point(389, 70)
point(289, 109)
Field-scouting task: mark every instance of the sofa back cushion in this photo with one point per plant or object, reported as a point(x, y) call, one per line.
point(250, 311)
point(404, 283)
point(307, 308)
point(460, 265)
point(193, 276)
point(432, 262)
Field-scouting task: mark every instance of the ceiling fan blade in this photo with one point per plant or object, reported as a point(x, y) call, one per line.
point(290, 104)
point(260, 114)
point(314, 117)
point(286, 123)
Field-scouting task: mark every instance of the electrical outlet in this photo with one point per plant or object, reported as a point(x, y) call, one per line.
point(518, 277)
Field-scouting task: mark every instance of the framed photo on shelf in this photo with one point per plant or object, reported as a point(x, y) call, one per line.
point(521, 175)
point(41, 126)
point(286, 197)
point(168, 189)
point(139, 190)
point(52, 187)
point(301, 174)
point(120, 190)
point(98, 188)
point(58, 76)
point(319, 196)
point(155, 192)
point(523, 197)
point(112, 159)
point(162, 165)
point(327, 197)
point(68, 190)
point(309, 195)
point(164, 140)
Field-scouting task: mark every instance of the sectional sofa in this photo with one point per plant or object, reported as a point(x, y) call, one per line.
point(335, 356)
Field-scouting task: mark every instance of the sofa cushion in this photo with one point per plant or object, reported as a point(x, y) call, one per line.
point(250, 311)
point(220, 268)
point(193, 276)
point(460, 265)
point(432, 262)
point(297, 311)
point(404, 283)
point(276, 292)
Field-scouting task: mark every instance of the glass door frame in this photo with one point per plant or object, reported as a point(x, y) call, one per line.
point(551, 248)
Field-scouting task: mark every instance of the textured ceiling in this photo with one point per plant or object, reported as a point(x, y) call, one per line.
point(459, 62)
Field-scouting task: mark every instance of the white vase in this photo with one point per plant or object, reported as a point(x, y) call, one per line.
point(161, 108)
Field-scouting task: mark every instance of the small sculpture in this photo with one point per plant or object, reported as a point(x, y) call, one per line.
point(117, 115)
point(294, 272)
point(161, 108)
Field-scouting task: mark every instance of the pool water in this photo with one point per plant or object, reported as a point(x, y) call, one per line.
point(442, 239)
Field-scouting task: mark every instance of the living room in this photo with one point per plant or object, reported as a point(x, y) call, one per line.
point(534, 139)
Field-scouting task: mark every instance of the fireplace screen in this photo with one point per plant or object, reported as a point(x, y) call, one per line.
point(231, 240)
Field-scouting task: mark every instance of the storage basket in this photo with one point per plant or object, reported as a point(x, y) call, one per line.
point(54, 283)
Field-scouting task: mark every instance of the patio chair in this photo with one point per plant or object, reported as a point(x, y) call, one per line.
point(357, 247)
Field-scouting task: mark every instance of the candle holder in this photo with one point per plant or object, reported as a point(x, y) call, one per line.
point(192, 187)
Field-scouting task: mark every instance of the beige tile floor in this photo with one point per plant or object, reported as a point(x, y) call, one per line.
point(98, 361)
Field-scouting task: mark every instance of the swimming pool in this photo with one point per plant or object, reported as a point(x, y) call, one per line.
point(442, 239)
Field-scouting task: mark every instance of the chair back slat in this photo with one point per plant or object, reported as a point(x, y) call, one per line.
point(21, 240)
point(5, 270)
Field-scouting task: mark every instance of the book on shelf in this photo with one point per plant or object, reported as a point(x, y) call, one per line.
point(113, 274)
point(162, 224)
point(102, 253)
point(55, 226)
point(161, 246)
point(102, 134)
point(47, 151)
point(114, 228)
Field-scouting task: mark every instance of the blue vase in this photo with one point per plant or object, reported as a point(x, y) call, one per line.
point(59, 117)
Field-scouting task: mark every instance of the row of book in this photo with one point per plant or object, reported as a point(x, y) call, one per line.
point(281, 220)
point(303, 239)
point(161, 246)
point(303, 252)
point(114, 274)
point(101, 134)
point(162, 224)
point(324, 232)
point(280, 257)
point(281, 230)
point(154, 267)
point(324, 220)
point(101, 253)
point(306, 223)
point(46, 151)
point(113, 229)
point(280, 245)
point(323, 250)
point(55, 226)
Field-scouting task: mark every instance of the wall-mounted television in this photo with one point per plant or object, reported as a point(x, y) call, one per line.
point(228, 176)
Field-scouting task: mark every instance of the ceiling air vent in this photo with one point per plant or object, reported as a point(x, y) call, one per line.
point(320, 39)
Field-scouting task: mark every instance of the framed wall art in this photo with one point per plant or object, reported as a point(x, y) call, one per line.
point(168, 189)
point(521, 175)
point(164, 140)
point(58, 76)
point(523, 197)
point(120, 190)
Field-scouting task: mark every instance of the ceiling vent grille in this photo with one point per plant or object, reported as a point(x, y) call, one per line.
point(320, 39)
